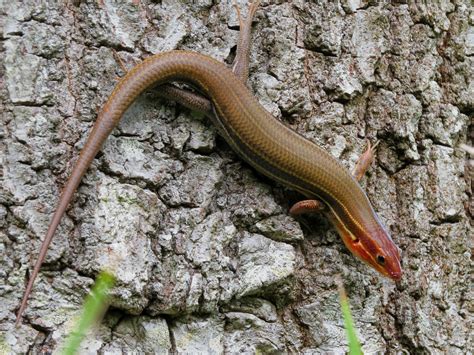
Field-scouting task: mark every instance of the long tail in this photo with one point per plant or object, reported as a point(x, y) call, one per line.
point(90, 150)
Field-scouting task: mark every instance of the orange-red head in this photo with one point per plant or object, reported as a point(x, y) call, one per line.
point(372, 245)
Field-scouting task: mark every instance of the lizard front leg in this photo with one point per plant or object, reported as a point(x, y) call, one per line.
point(316, 206)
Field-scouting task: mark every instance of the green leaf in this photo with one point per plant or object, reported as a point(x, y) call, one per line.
point(354, 344)
point(95, 306)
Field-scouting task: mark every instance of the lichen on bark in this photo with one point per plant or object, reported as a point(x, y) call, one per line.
point(206, 257)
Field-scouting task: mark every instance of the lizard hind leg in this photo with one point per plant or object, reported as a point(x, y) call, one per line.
point(240, 66)
point(198, 102)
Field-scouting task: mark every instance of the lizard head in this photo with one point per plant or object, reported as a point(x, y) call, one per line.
point(374, 246)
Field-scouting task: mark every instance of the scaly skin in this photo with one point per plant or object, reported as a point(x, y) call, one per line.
point(260, 139)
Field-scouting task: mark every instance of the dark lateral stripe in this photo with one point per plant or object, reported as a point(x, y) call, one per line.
point(265, 166)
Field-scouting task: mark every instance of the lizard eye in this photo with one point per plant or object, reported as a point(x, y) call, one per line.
point(380, 259)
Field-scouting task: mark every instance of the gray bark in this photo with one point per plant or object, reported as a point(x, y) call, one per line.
point(206, 257)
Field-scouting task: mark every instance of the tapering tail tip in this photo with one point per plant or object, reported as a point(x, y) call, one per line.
point(19, 316)
point(18, 320)
point(24, 302)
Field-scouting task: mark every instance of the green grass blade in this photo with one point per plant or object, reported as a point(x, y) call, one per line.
point(94, 307)
point(354, 344)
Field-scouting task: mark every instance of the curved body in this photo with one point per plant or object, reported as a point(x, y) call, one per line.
point(260, 139)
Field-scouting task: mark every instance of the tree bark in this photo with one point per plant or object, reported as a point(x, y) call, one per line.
point(205, 254)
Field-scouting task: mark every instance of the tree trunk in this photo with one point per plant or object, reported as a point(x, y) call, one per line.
point(206, 257)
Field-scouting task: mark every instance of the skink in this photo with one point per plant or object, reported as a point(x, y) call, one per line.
point(260, 139)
